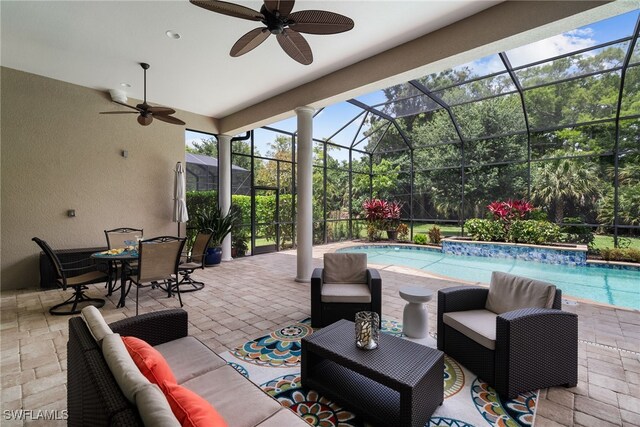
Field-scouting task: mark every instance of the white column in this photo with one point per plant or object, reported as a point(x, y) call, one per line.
point(224, 190)
point(304, 194)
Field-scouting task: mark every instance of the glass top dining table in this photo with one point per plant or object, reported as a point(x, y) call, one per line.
point(124, 257)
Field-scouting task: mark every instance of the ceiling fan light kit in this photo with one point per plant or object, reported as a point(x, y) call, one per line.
point(278, 20)
point(146, 113)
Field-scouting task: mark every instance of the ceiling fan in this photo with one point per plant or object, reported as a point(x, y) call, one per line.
point(146, 112)
point(287, 26)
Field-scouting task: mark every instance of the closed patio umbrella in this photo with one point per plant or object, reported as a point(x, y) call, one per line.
point(180, 213)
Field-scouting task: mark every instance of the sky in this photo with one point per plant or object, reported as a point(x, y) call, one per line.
point(332, 118)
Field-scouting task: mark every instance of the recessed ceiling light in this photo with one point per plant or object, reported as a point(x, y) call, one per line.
point(125, 85)
point(172, 34)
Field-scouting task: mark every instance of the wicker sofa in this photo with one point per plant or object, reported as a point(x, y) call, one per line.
point(513, 335)
point(96, 399)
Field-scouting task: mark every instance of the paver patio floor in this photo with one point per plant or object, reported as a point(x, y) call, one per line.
point(250, 297)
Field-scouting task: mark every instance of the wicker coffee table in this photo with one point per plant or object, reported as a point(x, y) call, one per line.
point(400, 383)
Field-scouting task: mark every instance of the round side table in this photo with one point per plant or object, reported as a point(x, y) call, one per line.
point(415, 321)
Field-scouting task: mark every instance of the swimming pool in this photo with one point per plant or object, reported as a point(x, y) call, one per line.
point(620, 287)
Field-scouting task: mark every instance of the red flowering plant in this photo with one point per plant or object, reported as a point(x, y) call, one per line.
point(375, 211)
point(507, 211)
point(392, 215)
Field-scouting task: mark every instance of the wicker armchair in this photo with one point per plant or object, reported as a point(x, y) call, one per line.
point(513, 345)
point(158, 262)
point(342, 288)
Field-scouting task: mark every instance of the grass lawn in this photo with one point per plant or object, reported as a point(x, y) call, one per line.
point(603, 241)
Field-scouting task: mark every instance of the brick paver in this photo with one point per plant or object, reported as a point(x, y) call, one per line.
point(251, 296)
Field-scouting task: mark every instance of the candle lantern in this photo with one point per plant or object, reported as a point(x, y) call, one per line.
point(367, 330)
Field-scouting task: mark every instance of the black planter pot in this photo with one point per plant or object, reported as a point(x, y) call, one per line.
point(392, 234)
point(213, 257)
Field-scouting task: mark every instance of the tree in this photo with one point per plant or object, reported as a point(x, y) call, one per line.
point(208, 147)
point(562, 181)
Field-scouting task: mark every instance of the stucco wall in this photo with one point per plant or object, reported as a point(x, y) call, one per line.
point(58, 154)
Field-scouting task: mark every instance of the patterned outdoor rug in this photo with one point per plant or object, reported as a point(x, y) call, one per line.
point(273, 363)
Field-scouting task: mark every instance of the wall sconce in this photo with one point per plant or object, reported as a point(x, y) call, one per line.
point(71, 213)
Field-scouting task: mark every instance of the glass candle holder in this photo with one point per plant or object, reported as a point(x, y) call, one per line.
point(367, 330)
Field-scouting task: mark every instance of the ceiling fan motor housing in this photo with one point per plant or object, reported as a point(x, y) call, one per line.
point(274, 22)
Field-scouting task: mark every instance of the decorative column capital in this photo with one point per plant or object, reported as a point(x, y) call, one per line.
point(224, 137)
point(305, 109)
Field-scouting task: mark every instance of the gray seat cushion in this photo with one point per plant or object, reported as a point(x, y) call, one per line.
point(189, 358)
point(345, 292)
point(508, 292)
point(478, 325)
point(284, 417)
point(345, 268)
point(239, 401)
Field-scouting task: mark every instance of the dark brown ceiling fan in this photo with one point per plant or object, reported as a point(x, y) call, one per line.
point(287, 26)
point(146, 112)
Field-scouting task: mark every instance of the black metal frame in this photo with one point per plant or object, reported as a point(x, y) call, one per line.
point(382, 123)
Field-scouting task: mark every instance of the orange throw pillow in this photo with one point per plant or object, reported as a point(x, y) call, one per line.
point(190, 409)
point(149, 360)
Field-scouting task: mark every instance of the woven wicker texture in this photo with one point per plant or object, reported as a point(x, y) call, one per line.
point(399, 383)
point(535, 347)
point(323, 314)
point(155, 328)
point(93, 396)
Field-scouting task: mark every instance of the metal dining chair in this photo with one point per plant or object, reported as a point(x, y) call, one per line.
point(67, 277)
point(157, 263)
point(193, 261)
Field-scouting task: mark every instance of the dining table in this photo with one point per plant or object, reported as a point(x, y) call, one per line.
point(123, 258)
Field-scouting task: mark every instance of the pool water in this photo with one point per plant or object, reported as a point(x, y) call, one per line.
point(620, 287)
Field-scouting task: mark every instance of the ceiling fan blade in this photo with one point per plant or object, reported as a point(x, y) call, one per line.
point(295, 46)
point(118, 112)
point(249, 41)
point(169, 119)
point(284, 7)
point(145, 120)
point(161, 110)
point(230, 9)
point(126, 105)
point(319, 22)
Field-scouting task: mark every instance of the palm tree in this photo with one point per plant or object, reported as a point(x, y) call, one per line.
point(561, 181)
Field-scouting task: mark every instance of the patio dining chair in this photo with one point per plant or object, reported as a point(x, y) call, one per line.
point(67, 277)
point(117, 238)
point(157, 263)
point(194, 260)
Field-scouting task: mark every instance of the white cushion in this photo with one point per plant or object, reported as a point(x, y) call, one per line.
point(127, 375)
point(189, 358)
point(95, 323)
point(345, 268)
point(345, 292)
point(154, 408)
point(508, 292)
point(478, 325)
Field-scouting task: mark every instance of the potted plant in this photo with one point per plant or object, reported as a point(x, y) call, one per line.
point(220, 225)
point(392, 219)
point(239, 244)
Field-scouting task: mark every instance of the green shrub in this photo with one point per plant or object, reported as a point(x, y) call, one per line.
point(435, 235)
point(484, 229)
point(533, 232)
point(420, 239)
point(577, 233)
point(620, 254)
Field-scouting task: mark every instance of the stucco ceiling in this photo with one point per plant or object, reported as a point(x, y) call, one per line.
point(98, 44)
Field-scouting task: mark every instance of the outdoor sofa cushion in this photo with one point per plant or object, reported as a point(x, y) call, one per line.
point(345, 268)
point(189, 358)
point(95, 323)
point(508, 292)
point(230, 393)
point(149, 360)
point(121, 365)
point(478, 325)
point(190, 409)
point(284, 417)
point(345, 292)
point(154, 408)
